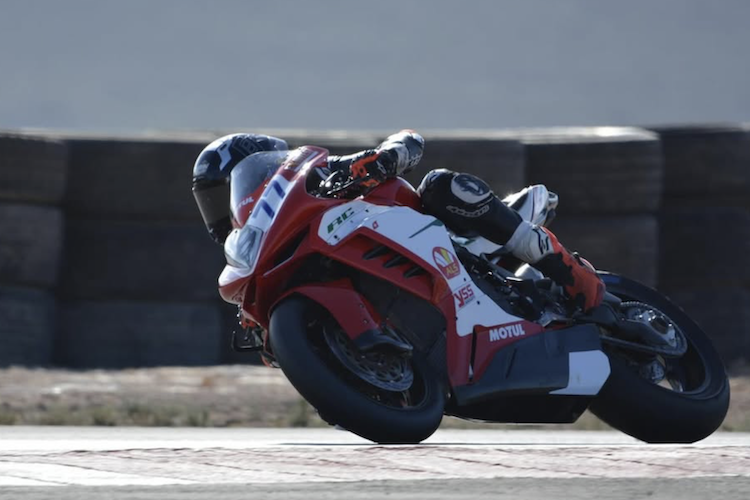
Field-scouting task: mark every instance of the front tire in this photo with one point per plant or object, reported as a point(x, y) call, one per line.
point(336, 394)
point(655, 414)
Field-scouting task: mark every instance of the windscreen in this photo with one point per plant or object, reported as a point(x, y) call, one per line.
point(250, 174)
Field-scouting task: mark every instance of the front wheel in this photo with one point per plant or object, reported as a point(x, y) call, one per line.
point(384, 400)
point(663, 400)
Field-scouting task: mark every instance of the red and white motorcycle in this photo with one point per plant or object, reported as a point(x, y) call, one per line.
point(384, 321)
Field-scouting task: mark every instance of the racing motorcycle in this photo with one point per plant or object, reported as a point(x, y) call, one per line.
point(385, 321)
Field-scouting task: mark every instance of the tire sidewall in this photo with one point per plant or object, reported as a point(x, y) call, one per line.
point(652, 413)
point(339, 403)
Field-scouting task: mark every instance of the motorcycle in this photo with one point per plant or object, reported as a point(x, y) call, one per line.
point(385, 321)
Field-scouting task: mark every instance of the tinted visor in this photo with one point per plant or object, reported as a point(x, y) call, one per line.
point(213, 200)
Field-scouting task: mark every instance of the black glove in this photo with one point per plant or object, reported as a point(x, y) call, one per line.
point(375, 165)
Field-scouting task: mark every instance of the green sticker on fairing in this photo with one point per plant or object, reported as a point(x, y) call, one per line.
point(340, 219)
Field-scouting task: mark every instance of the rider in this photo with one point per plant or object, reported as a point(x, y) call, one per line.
point(463, 202)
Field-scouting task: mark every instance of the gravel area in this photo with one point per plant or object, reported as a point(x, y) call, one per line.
point(222, 396)
point(216, 396)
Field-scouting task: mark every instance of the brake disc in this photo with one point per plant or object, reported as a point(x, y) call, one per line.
point(382, 369)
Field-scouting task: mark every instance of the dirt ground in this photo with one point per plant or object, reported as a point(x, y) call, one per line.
point(218, 396)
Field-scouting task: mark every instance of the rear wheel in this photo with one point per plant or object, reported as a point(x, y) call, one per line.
point(380, 396)
point(662, 399)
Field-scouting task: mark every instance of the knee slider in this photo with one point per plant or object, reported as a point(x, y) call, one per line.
point(470, 189)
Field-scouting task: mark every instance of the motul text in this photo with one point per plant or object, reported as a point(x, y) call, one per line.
point(506, 332)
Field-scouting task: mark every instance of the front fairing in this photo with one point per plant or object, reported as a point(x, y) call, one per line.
point(269, 218)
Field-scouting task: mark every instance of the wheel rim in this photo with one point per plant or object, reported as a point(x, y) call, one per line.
point(685, 374)
point(381, 369)
point(412, 396)
point(658, 321)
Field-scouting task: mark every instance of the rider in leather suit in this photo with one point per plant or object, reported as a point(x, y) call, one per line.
point(463, 202)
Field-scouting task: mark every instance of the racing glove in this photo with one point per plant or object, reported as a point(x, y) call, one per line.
point(374, 165)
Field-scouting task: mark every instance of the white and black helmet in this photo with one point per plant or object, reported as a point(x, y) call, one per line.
point(211, 176)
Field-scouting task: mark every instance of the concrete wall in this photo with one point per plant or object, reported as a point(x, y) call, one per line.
point(104, 261)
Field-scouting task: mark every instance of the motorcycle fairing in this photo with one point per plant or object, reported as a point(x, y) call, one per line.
point(284, 216)
point(426, 237)
point(566, 362)
point(588, 371)
point(578, 373)
point(580, 370)
point(355, 316)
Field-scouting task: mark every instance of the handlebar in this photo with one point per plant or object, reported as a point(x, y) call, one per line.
point(336, 186)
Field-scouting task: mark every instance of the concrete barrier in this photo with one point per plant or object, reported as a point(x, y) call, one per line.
point(137, 260)
point(124, 334)
point(27, 326)
point(704, 260)
point(31, 238)
point(724, 314)
point(33, 171)
point(706, 165)
point(132, 178)
point(627, 245)
point(704, 248)
point(596, 170)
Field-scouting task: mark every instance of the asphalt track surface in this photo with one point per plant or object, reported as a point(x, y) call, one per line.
point(190, 463)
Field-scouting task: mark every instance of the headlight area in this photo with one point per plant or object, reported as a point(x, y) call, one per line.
point(241, 248)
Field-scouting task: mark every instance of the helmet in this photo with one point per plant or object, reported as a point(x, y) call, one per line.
point(211, 176)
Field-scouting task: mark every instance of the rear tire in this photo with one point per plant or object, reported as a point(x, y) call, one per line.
point(652, 413)
point(328, 387)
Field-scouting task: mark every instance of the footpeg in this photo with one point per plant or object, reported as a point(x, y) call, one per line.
point(248, 339)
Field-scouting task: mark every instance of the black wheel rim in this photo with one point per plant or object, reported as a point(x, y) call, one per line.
point(687, 374)
point(412, 397)
point(378, 368)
